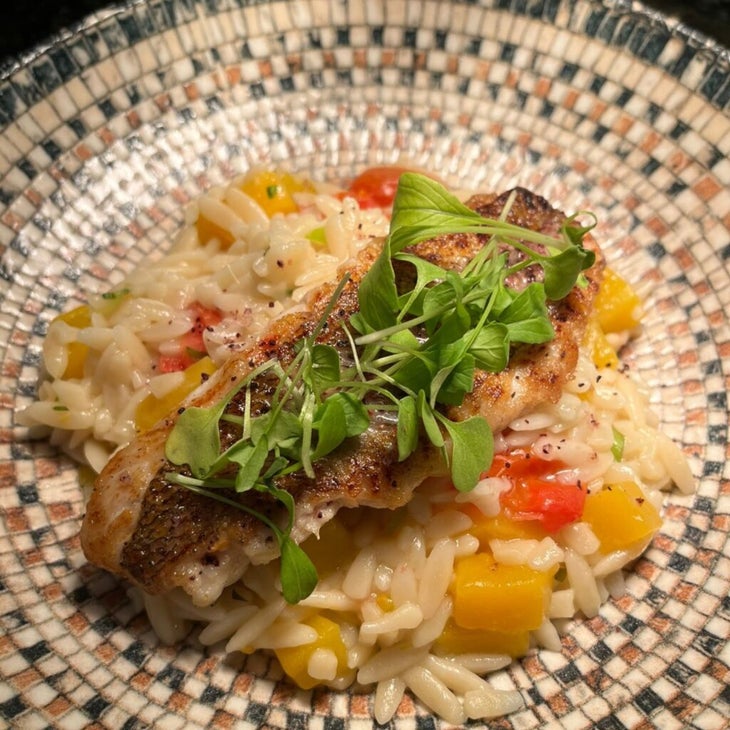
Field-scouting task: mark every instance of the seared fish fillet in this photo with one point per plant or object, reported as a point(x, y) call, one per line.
point(162, 536)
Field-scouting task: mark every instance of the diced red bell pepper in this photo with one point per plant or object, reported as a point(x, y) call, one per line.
point(536, 494)
point(192, 345)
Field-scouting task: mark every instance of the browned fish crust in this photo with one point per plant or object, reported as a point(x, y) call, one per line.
point(160, 535)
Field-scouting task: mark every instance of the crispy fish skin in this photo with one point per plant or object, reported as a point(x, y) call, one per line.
point(162, 536)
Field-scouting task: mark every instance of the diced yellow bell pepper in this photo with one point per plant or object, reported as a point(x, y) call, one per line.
point(152, 409)
point(79, 317)
point(333, 548)
point(295, 660)
point(617, 305)
point(500, 527)
point(497, 597)
point(620, 516)
point(597, 344)
point(207, 231)
point(274, 191)
point(456, 640)
point(77, 352)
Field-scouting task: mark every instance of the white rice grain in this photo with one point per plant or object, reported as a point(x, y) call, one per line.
point(617, 559)
point(615, 584)
point(359, 578)
point(433, 627)
point(388, 695)
point(390, 662)
point(675, 463)
point(166, 622)
point(562, 604)
point(434, 694)
point(221, 629)
point(404, 585)
point(447, 524)
point(481, 705)
point(547, 636)
point(466, 545)
point(485, 496)
point(322, 665)
point(512, 552)
point(407, 616)
point(436, 576)
point(546, 555)
point(482, 663)
point(454, 674)
point(245, 207)
point(285, 634)
point(580, 538)
point(331, 600)
point(583, 583)
point(250, 629)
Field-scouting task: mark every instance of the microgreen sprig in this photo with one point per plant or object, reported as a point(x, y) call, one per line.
point(411, 353)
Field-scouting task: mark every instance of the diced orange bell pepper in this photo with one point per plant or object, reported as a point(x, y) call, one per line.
point(617, 305)
point(456, 640)
point(274, 191)
point(152, 409)
point(79, 317)
point(497, 597)
point(333, 548)
point(295, 660)
point(207, 231)
point(500, 527)
point(620, 516)
point(597, 344)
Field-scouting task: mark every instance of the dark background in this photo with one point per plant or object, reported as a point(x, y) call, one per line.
point(29, 22)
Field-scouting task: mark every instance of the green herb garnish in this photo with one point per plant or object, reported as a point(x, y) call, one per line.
point(194, 354)
point(617, 446)
point(272, 191)
point(111, 295)
point(412, 354)
point(317, 236)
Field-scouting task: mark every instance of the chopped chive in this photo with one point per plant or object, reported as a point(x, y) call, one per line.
point(115, 294)
point(317, 236)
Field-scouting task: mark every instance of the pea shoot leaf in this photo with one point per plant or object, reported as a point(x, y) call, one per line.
point(377, 295)
point(562, 270)
point(357, 418)
point(438, 301)
point(415, 374)
point(423, 209)
point(472, 450)
point(298, 574)
point(526, 318)
point(428, 418)
point(195, 439)
point(250, 460)
point(454, 375)
point(411, 303)
point(407, 431)
point(452, 328)
point(574, 232)
point(324, 369)
point(490, 347)
point(331, 427)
